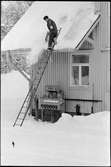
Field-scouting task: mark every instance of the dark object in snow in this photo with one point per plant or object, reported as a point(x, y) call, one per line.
point(13, 144)
point(78, 110)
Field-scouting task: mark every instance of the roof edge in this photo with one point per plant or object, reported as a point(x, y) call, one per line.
point(88, 32)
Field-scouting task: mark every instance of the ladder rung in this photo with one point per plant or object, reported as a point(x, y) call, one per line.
point(27, 99)
point(36, 80)
point(39, 68)
point(24, 106)
point(42, 64)
point(40, 72)
point(20, 118)
point(17, 124)
point(43, 61)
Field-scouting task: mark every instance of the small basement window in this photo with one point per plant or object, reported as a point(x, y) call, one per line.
point(80, 70)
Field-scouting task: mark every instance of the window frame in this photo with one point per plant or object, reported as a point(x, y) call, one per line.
point(80, 66)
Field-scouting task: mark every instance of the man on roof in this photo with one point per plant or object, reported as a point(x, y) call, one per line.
point(52, 34)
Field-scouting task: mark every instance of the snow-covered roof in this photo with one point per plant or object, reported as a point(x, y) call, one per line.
point(75, 18)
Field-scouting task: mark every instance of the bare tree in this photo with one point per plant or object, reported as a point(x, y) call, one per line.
point(11, 12)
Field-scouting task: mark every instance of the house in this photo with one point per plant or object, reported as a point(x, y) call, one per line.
point(80, 64)
point(83, 72)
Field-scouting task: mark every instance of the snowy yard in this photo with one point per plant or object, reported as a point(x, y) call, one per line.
point(79, 140)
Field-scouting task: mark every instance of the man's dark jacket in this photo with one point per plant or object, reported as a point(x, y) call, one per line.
point(51, 26)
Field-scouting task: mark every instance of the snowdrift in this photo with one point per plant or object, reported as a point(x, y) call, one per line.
point(99, 121)
point(72, 141)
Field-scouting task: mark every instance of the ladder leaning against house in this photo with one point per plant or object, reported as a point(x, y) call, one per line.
point(42, 64)
point(43, 61)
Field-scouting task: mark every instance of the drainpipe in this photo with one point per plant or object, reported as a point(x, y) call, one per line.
point(78, 109)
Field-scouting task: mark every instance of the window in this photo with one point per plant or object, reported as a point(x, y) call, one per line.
point(80, 70)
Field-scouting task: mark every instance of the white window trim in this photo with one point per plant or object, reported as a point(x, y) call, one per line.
point(79, 64)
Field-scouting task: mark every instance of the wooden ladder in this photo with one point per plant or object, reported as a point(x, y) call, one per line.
point(42, 64)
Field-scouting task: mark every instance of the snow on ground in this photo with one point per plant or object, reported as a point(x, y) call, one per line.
point(79, 140)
